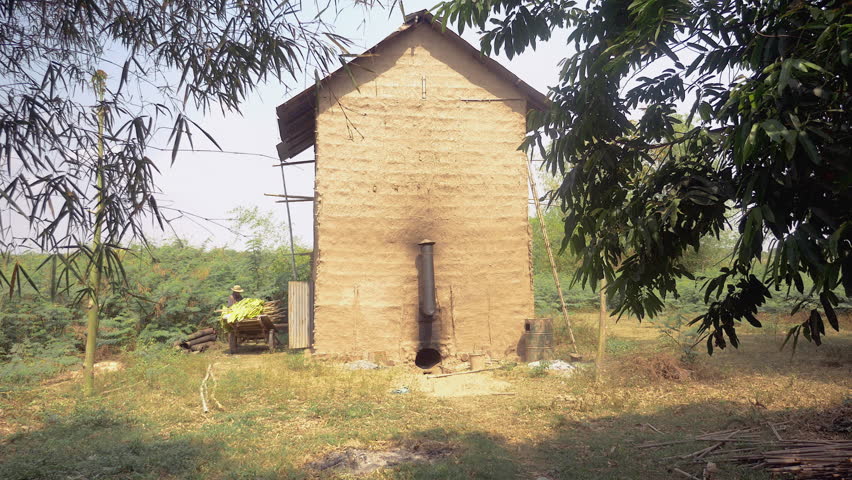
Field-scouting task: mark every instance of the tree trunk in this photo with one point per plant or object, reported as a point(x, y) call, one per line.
point(206, 338)
point(202, 346)
point(53, 280)
point(92, 321)
point(93, 315)
point(199, 334)
point(601, 332)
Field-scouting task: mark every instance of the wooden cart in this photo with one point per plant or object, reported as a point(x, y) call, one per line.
point(259, 328)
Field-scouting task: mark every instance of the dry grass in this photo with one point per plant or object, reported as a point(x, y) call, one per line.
point(283, 411)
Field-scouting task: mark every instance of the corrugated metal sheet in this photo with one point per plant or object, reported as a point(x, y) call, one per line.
point(299, 325)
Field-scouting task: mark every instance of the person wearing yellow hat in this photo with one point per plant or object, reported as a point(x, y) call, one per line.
point(235, 296)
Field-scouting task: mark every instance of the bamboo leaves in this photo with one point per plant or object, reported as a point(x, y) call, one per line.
point(166, 59)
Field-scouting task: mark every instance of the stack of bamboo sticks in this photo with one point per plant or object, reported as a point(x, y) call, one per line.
point(273, 310)
point(805, 459)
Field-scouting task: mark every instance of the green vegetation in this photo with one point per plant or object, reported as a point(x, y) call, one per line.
point(280, 412)
point(170, 290)
point(689, 300)
point(78, 181)
point(174, 289)
point(764, 147)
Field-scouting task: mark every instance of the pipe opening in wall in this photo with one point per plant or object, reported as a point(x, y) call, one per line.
point(427, 358)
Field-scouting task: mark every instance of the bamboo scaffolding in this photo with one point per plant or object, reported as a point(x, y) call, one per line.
point(531, 177)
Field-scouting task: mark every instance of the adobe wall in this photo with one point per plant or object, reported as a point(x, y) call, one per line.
point(396, 166)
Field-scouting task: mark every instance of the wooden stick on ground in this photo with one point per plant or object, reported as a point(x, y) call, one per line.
point(121, 387)
point(213, 390)
point(463, 373)
point(775, 432)
point(705, 451)
point(686, 474)
point(653, 428)
point(203, 390)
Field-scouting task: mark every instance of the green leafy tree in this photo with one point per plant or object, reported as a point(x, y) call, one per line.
point(268, 252)
point(767, 84)
point(553, 222)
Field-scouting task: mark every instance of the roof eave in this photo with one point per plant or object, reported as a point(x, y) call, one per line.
point(300, 110)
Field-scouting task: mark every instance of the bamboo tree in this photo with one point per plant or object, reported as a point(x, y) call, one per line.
point(94, 287)
point(53, 280)
point(50, 129)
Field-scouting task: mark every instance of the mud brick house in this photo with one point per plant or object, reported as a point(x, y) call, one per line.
point(416, 149)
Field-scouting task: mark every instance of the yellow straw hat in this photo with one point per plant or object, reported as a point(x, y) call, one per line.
point(237, 289)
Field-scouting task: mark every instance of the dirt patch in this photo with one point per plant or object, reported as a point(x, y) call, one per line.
point(357, 461)
point(472, 384)
point(109, 366)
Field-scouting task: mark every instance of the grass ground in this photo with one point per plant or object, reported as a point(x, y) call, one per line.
point(281, 411)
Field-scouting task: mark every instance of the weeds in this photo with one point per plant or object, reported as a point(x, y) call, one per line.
point(620, 346)
point(539, 370)
point(28, 362)
point(282, 411)
point(685, 338)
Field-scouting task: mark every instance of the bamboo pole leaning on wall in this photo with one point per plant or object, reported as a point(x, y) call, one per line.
point(531, 176)
point(289, 222)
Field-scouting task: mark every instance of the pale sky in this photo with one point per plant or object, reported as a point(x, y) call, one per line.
point(210, 184)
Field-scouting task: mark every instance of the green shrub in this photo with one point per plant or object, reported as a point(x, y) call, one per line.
point(29, 361)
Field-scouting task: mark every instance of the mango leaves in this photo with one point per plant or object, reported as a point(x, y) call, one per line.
point(673, 121)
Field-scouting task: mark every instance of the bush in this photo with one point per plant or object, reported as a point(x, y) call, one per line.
point(29, 361)
point(34, 321)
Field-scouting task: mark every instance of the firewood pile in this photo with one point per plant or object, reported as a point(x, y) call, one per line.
point(801, 459)
point(805, 459)
point(198, 341)
point(274, 310)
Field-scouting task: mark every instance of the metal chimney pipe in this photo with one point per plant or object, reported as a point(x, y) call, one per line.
point(426, 280)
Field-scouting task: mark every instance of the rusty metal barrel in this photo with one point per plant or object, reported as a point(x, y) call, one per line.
point(538, 339)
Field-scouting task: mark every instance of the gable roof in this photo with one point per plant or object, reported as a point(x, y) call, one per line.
point(297, 116)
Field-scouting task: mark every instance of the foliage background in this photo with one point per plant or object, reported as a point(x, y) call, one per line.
point(174, 288)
